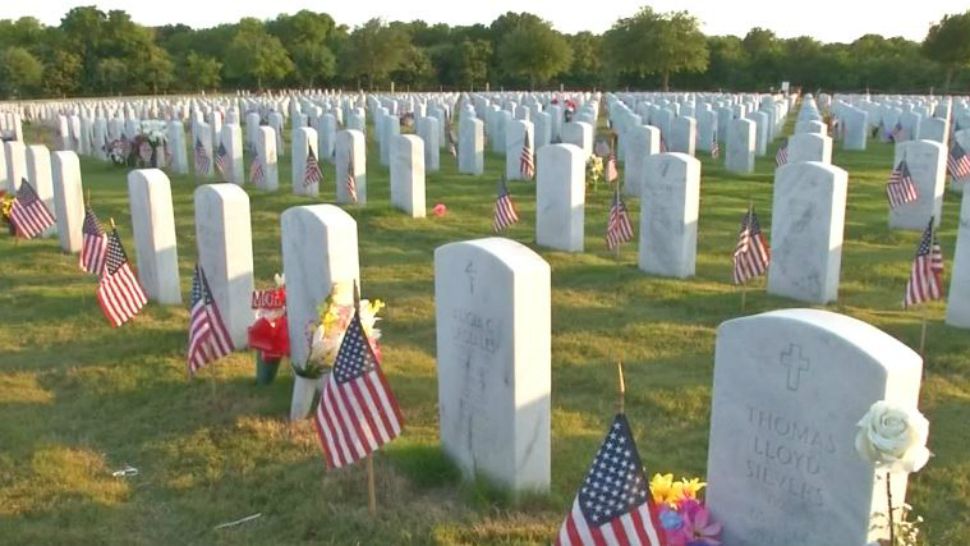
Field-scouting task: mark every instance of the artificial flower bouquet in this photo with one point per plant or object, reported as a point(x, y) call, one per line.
point(327, 333)
point(269, 334)
point(6, 207)
point(594, 170)
point(684, 517)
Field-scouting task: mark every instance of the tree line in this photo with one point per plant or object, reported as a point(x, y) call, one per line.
point(93, 52)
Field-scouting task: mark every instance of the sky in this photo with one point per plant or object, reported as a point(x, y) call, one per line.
point(825, 20)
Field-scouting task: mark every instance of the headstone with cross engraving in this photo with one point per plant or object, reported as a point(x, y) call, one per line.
point(789, 388)
point(492, 299)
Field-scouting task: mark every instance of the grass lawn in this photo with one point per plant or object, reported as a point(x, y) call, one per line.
point(79, 399)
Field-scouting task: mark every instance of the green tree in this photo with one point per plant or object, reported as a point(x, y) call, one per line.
point(62, 73)
point(533, 51)
point(656, 43)
point(20, 71)
point(471, 63)
point(154, 67)
point(256, 56)
point(201, 73)
point(112, 73)
point(308, 37)
point(373, 51)
point(586, 67)
point(948, 43)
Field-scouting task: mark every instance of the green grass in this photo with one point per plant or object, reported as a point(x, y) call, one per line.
point(79, 399)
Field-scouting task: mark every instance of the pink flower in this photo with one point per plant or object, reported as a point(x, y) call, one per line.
point(698, 529)
point(439, 210)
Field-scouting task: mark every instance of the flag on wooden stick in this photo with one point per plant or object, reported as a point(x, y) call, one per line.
point(958, 161)
point(505, 215)
point(28, 214)
point(901, 189)
point(926, 273)
point(256, 174)
point(119, 293)
point(202, 164)
point(350, 182)
point(527, 166)
point(94, 244)
point(614, 505)
point(781, 156)
point(619, 229)
point(222, 157)
point(209, 340)
point(752, 253)
point(311, 172)
point(357, 413)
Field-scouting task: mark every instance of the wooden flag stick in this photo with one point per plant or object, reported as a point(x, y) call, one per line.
point(922, 336)
point(621, 402)
point(112, 220)
point(616, 199)
point(744, 285)
point(371, 490)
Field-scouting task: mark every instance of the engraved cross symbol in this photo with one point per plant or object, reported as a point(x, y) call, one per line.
point(796, 364)
point(470, 271)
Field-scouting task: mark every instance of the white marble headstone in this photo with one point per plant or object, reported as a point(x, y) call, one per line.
point(153, 224)
point(268, 158)
point(493, 317)
point(407, 175)
point(304, 140)
point(739, 157)
point(927, 165)
point(68, 199)
point(789, 388)
point(351, 144)
point(16, 154)
point(560, 197)
point(807, 221)
point(39, 175)
point(809, 147)
point(670, 198)
point(516, 132)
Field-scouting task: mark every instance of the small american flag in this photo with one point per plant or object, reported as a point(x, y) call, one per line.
point(222, 156)
point(209, 340)
point(119, 293)
point(898, 133)
point(901, 189)
point(256, 174)
point(311, 173)
point(619, 230)
point(926, 275)
point(609, 171)
point(715, 146)
point(28, 214)
point(505, 215)
point(357, 413)
point(958, 162)
point(527, 165)
point(201, 159)
point(781, 156)
point(614, 505)
point(752, 253)
point(351, 180)
point(94, 244)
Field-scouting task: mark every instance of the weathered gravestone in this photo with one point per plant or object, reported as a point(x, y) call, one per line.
point(856, 129)
point(810, 126)
point(390, 128)
point(304, 142)
point(232, 139)
point(471, 147)
point(789, 388)
point(225, 243)
point(807, 221)
point(407, 175)
point(352, 159)
point(809, 147)
point(153, 224)
point(927, 165)
point(683, 135)
point(644, 142)
point(669, 198)
point(579, 133)
point(493, 321)
point(958, 298)
point(319, 249)
point(39, 175)
point(268, 159)
point(427, 129)
point(560, 197)
point(16, 154)
point(740, 146)
point(517, 133)
point(68, 199)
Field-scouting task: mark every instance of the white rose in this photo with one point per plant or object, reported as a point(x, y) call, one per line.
point(893, 437)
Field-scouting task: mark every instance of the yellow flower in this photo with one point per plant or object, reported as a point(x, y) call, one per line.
point(692, 487)
point(661, 487)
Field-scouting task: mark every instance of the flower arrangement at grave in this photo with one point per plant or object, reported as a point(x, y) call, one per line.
point(594, 171)
point(684, 516)
point(327, 332)
point(148, 145)
point(269, 335)
point(893, 439)
point(6, 207)
point(117, 151)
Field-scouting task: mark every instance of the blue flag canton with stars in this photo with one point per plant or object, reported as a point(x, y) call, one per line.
point(354, 359)
point(200, 287)
point(615, 484)
point(116, 256)
point(91, 224)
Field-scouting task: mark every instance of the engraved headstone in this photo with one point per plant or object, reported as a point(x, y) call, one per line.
point(560, 197)
point(669, 198)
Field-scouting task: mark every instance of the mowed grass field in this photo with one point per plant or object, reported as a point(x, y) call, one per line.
point(79, 399)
